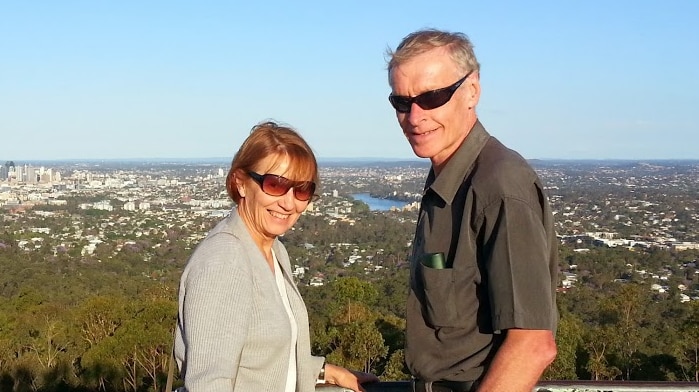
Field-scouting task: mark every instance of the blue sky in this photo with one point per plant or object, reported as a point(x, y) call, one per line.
point(175, 79)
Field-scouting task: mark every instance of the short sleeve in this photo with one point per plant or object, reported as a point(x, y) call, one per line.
point(517, 265)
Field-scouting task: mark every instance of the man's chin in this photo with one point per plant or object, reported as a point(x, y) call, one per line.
point(421, 151)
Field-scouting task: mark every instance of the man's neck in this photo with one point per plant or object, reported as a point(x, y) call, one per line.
point(437, 168)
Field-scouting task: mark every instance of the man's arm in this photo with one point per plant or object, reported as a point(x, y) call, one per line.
point(520, 361)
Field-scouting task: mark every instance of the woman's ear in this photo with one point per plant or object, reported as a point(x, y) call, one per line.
point(239, 183)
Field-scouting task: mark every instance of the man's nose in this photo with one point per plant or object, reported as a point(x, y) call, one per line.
point(416, 114)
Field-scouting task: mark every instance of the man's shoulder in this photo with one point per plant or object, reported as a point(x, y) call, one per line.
point(502, 170)
point(497, 159)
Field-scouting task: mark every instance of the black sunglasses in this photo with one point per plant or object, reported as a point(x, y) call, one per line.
point(428, 100)
point(275, 185)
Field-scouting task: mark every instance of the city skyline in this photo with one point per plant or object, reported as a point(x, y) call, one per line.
point(170, 80)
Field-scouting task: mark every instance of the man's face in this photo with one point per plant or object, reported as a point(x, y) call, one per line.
point(435, 133)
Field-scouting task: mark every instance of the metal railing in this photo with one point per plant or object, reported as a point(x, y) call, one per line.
point(550, 386)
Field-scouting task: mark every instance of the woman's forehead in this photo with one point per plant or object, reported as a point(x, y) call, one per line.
point(287, 166)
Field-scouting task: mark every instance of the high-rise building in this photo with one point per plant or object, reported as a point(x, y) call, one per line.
point(45, 175)
point(18, 173)
point(32, 174)
point(8, 167)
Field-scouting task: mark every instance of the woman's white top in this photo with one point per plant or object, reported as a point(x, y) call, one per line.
point(291, 374)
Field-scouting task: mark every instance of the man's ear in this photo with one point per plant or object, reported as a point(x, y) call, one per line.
point(473, 83)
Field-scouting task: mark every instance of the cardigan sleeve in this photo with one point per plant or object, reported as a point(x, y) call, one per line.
point(216, 314)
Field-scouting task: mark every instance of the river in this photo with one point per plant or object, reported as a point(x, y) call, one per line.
point(376, 204)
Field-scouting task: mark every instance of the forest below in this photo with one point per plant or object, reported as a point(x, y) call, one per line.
point(104, 321)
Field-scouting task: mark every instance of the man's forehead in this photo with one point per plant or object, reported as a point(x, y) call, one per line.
point(424, 73)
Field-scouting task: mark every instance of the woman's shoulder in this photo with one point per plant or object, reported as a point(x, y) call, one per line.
point(228, 234)
point(222, 248)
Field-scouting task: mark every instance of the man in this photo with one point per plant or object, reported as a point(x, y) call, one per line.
point(485, 320)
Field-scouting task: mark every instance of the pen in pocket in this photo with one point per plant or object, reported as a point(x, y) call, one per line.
point(434, 260)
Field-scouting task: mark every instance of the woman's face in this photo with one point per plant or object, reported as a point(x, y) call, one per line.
point(269, 216)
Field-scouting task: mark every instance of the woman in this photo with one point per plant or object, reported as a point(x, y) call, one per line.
point(242, 323)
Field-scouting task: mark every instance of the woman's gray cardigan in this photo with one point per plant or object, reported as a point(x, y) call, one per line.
point(233, 331)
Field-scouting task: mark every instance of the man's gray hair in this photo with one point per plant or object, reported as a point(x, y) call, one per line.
point(459, 46)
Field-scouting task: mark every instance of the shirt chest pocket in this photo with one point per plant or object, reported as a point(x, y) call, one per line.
point(447, 301)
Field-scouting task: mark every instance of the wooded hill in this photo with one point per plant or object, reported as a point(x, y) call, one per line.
point(103, 321)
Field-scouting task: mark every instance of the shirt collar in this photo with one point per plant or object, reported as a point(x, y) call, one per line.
point(452, 175)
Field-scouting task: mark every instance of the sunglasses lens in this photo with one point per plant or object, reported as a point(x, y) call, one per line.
point(304, 192)
point(433, 99)
point(401, 104)
point(275, 185)
point(279, 186)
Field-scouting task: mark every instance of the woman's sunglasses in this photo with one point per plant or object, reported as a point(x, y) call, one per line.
point(428, 100)
point(275, 185)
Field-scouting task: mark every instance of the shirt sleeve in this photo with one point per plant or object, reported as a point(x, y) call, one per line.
point(216, 314)
point(517, 264)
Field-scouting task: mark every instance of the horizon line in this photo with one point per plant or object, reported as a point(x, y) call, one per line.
point(335, 159)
